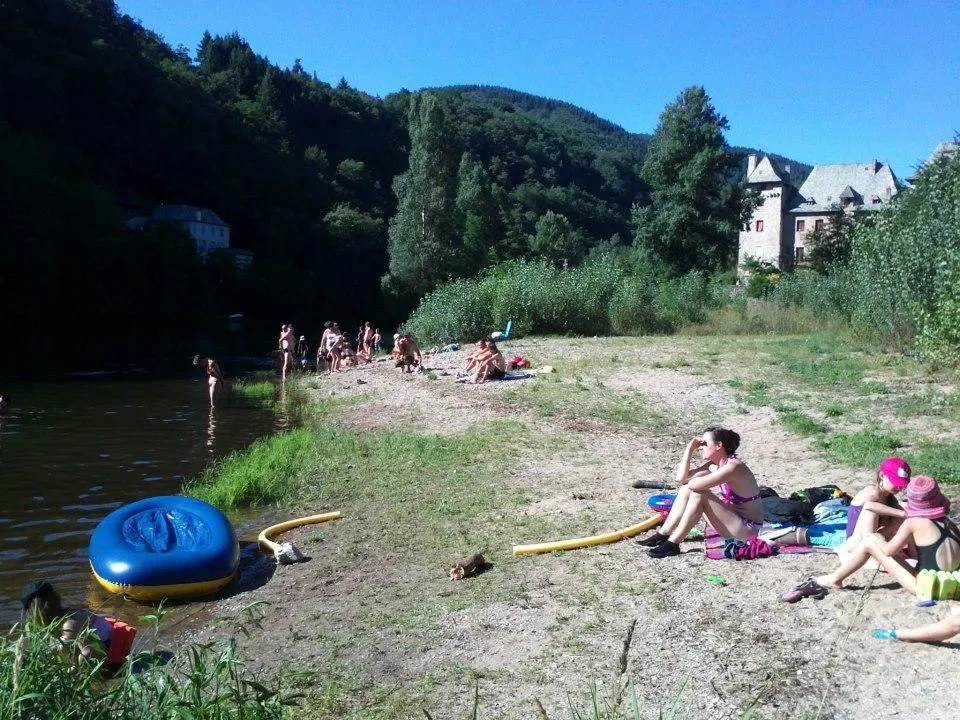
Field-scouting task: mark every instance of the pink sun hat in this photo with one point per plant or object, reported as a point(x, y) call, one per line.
point(925, 499)
point(896, 471)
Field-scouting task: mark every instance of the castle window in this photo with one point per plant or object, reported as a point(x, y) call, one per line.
point(799, 252)
point(818, 224)
point(801, 225)
point(759, 225)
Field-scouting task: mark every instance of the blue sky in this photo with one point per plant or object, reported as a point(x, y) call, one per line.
point(819, 82)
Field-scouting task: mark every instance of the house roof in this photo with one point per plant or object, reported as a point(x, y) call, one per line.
point(767, 171)
point(829, 185)
point(187, 213)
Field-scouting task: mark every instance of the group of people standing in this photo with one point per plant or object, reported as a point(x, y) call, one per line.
point(335, 351)
point(901, 540)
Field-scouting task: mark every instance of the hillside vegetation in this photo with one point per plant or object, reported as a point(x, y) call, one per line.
point(101, 120)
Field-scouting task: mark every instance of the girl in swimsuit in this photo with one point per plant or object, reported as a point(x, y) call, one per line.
point(875, 507)
point(722, 489)
point(926, 535)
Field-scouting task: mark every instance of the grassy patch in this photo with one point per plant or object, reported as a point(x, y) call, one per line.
point(263, 474)
point(937, 459)
point(425, 486)
point(865, 448)
point(578, 400)
point(873, 387)
point(259, 393)
point(756, 392)
point(801, 423)
point(929, 403)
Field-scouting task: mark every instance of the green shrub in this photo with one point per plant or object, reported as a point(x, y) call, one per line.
point(606, 294)
point(904, 278)
point(685, 300)
point(632, 308)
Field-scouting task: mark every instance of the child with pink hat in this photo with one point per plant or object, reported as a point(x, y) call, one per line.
point(926, 528)
point(875, 507)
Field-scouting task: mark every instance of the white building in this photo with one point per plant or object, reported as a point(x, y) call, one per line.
point(208, 231)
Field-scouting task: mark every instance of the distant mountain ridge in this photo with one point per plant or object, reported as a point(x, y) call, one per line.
point(585, 126)
point(560, 116)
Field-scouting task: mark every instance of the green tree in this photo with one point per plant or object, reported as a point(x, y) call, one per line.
point(695, 209)
point(480, 213)
point(556, 239)
point(829, 246)
point(424, 235)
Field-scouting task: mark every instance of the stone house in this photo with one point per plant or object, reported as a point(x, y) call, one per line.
point(777, 232)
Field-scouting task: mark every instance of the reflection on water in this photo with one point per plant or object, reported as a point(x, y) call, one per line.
point(70, 453)
point(212, 429)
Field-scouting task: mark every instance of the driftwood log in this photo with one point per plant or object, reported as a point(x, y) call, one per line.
point(652, 485)
point(467, 566)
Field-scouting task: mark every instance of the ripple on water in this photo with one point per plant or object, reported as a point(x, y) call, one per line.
point(52, 537)
point(94, 506)
point(44, 521)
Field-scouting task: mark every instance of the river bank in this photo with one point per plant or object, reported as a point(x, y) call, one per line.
point(427, 471)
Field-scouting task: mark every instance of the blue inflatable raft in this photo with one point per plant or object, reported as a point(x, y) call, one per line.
point(164, 547)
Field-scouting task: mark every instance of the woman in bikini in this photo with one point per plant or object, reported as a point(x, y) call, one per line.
point(722, 489)
point(214, 376)
point(926, 535)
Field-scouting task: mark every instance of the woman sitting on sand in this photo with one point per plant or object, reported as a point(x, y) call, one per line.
point(927, 536)
point(491, 365)
point(722, 489)
point(470, 362)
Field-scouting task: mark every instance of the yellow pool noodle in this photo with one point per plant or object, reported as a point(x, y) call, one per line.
point(269, 546)
point(610, 537)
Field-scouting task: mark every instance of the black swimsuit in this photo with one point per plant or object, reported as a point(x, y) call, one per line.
point(927, 554)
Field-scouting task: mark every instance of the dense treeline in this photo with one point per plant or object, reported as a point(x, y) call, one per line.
point(896, 275)
point(100, 121)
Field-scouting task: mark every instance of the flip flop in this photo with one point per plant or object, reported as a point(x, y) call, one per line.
point(808, 588)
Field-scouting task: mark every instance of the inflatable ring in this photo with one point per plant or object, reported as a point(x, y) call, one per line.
point(588, 541)
point(661, 503)
point(164, 547)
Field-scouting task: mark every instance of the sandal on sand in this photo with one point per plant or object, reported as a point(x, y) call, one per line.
point(808, 588)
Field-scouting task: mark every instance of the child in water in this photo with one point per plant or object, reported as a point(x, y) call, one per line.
point(110, 639)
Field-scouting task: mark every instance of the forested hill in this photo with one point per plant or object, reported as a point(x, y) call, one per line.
point(584, 127)
point(568, 120)
point(101, 121)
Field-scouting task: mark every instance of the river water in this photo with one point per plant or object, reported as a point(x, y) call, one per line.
point(71, 452)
